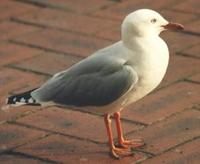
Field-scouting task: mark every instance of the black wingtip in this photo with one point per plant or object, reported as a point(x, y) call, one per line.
point(10, 100)
point(24, 98)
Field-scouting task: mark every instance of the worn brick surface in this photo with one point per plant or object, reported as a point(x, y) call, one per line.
point(15, 112)
point(41, 37)
point(113, 35)
point(64, 149)
point(170, 133)
point(192, 51)
point(12, 80)
point(193, 26)
point(119, 11)
point(71, 123)
point(12, 53)
point(178, 42)
point(64, 42)
point(10, 30)
point(47, 63)
point(175, 70)
point(162, 104)
point(184, 154)
point(181, 17)
point(10, 8)
point(190, 6)
point(13, 159)
point(74, 6)
point(195, 78)
point(67, 21)
point(12, 136)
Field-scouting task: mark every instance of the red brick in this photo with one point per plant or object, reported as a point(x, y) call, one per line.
point(187, 153)
point(180, 17)
point(113, 33)
point(67, 21)
point(176, 130)
point(191, 6)
point(75, 6)
point(178, 42)
point(195, 77)
point(176, 69)
point(64, 149)
point(64, 42)
point(12, 136)
point(12, 53)
point(48, 63)
point(72, 123)
point(12, 80)
point(164, 103)
point(10, 30)
point(119, 11)
point(14, 113)
point(192, 51)
point(10, 8)
point(194, 26)
point(13, 159)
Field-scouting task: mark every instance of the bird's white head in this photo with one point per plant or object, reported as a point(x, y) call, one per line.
point(146, 22)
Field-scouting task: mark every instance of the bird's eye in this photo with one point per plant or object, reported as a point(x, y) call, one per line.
point(154, 20)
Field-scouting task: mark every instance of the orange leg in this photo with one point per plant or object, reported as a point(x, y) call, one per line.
point(135, 143)
point(115, 152)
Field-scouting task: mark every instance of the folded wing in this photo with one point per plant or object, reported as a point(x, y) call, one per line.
point(90, 83)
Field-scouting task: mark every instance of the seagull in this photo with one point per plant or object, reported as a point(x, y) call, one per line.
point(111, 78)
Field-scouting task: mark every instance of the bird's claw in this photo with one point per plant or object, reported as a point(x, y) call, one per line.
point(120, 152)
point(135, 143)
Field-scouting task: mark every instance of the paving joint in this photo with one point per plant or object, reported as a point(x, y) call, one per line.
point(20, 154)
point(180, 144)
point(162, 120)
point(16, 20)
point(54, 132)
point(24, 143)
point(32, 3)
point(187, 55)
point(43, 48)
point(192, 81)
point(27, 113)
point(28, 70)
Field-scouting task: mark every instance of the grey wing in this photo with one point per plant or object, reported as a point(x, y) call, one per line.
point(96, 84)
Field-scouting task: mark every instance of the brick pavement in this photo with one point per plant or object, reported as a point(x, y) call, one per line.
point(41, 37)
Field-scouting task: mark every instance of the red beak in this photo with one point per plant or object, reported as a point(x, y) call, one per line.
point(173, 26)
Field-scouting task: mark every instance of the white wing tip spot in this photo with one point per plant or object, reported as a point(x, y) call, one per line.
point(30, 100)
point(22, 100)
point(14, 99)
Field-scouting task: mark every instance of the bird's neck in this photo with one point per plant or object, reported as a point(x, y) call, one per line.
point(141, 43)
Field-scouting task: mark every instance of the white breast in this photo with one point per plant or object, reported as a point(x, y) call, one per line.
point(151, 67)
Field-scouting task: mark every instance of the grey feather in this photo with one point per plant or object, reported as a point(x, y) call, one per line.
point(95, 81)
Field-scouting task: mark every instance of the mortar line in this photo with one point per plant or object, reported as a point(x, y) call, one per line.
point(29, 156)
